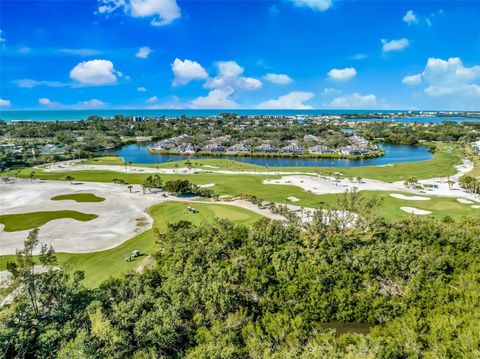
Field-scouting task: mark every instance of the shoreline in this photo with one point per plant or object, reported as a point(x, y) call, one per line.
point(333, 156)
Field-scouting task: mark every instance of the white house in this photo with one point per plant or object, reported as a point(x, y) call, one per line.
point(266, 148)
point(319, 150)
point(213, 147)
point(186, 148)
point(240, 148)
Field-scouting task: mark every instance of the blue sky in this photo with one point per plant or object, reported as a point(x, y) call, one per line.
point(240, 54)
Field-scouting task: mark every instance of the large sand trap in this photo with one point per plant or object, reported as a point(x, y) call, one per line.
point(293, 199)
point(413, 210)
point(120, 217)
point(207, 185)
point(324, 185)
point(409, 198)
point(476, 206)
point(464, 201)
point(117, 221)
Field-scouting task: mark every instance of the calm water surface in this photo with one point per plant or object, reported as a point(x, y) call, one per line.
point(137, 153)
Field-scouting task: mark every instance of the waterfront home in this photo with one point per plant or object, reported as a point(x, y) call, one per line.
point(349, 151)
point(320, 150)
point(239, 148)
point(164, 145)
point(266, 148)
point(358, 141)
point(186, 148)
point(293, 148)
point(213, 147)
point(354, 151)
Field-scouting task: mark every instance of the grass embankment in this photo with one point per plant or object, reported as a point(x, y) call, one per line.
point(441, 165)
point(78, 197)
point(24, 221)
point(99, 266)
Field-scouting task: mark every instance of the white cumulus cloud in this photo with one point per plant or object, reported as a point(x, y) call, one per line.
point(161, 12)
point(47, 102)
point(186, 71)
point(451, 77)
point(5, 103)
point(141, 89)
point(395, 45)
point(229, 75)
point(318, 5)
point(410, 17)
point(152, 99)
point(94, 72)
point(345, 74)
point(412, 79)
point(354, 101)
point(280, 79)
point(292, 100)
point(143, 52)
point(2, 38)
point(216, 99)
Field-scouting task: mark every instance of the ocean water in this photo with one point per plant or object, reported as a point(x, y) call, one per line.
point(137, 153)
point(75, 115)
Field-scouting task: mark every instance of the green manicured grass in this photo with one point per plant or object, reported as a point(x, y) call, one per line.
point(98, 266)
point(24, 221)
point(390, 206)
point(78, 197)
point(105, 160)
point(252, 184)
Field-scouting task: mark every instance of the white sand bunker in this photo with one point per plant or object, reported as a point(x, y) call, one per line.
point(464, 201)
point(293, 199)
point(413, 210)
point(476, 206)
point(409, 198)
point(210, 166)
point(206, 185)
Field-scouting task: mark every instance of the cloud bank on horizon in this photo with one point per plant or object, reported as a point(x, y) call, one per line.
point(295, 54)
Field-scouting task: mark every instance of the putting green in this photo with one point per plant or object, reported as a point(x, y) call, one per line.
point(98, 266)
point(78, 197)
point(24, 221)
point(105, 160)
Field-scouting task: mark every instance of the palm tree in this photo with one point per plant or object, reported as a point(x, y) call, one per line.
point(130, 164)
point(32, 176)
point(69, 178)
point(359, 179)
point(176, 166)
point(130, 188)
point(450, 183)
point(337, 178)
